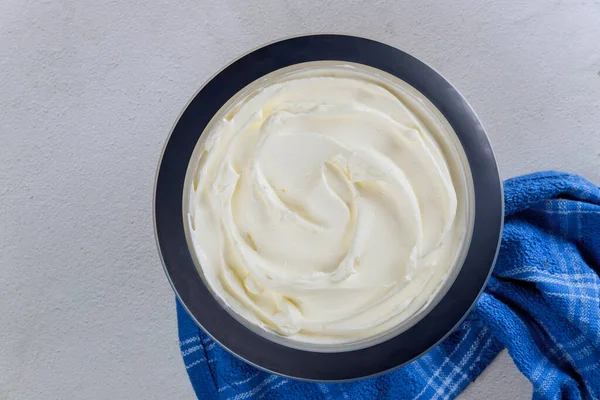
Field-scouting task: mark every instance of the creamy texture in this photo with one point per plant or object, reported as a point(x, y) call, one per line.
point(322, 207)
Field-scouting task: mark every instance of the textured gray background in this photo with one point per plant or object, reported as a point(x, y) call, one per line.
point(89, 91)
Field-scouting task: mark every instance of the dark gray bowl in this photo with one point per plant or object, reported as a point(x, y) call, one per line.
point(310, 365)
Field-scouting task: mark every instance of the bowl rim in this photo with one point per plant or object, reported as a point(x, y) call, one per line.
point(257, 350)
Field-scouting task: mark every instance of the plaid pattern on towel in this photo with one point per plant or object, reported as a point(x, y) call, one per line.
point(542, 303)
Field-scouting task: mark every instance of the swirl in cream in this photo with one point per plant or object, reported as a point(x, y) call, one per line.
point(323, 208)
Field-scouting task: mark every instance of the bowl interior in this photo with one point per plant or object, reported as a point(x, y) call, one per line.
point(419, 105)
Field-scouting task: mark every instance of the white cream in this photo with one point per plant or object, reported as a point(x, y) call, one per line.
point(323, 207)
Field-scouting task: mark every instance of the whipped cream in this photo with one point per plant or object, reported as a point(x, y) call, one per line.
point(327, 206)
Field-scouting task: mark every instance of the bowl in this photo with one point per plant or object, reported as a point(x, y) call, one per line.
point(404, 342)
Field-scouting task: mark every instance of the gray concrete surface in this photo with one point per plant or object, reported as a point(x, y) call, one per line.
point(88, 93)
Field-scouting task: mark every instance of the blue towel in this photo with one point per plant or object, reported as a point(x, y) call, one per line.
point(542, 303)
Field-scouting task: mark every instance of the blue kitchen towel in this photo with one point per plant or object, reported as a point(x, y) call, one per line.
point(542, 303)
